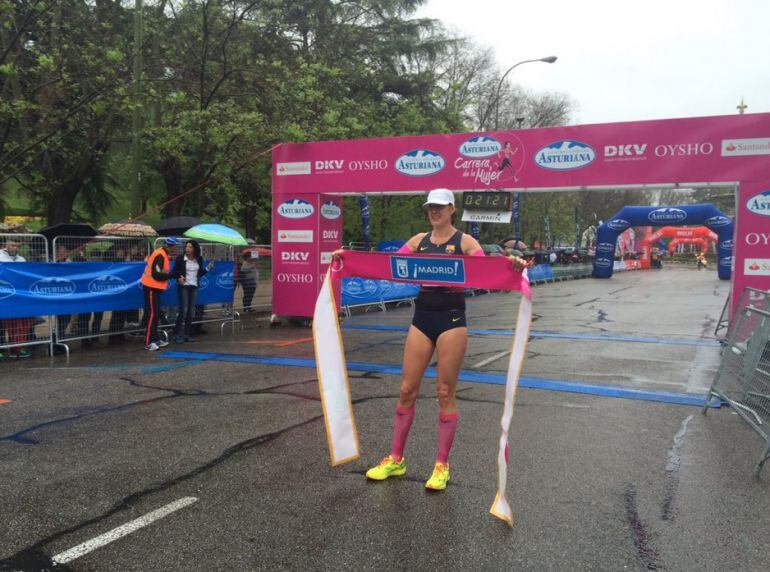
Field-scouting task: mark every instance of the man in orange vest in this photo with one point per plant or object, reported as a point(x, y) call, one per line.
point(154, 281)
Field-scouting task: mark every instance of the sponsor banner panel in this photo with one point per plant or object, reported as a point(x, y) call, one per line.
point(366, 291)
point(724, 148)
point(752, 238)
point(330, 235)
point(30, 289)
point(296, 253)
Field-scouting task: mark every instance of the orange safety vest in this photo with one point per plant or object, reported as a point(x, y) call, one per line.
point(147, 278)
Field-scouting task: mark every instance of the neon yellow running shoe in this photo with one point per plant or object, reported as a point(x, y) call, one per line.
point(439, 478)
point(387, 468)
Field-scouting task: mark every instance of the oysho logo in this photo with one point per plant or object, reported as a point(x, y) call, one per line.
point(667, 215)
point(565, 155)
point(759, 203)
point(368, 165)
point(684, 149)
point(6, 290)
point(420, 163)
point(717, 221)
point(330, 210)
point(226, 280)
point(618, 224)
point(603, 262)
point(295, 256)
point(287, 278)
point(52, 287)
point(481, 146)
point(295, 208)
point(605, 247)
point(107, 284)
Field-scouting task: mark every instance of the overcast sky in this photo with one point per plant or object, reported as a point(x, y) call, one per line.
point(626, 61)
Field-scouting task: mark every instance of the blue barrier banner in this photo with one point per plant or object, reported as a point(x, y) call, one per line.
point(390, 245)
point(52, 289)
point(366, 291)
point(540, 272)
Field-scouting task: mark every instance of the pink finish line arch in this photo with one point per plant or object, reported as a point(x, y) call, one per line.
point(703, 151)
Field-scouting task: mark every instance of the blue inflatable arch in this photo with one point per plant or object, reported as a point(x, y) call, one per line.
point(686, 215)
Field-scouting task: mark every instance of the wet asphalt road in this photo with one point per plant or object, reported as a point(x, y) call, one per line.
point(596, 483)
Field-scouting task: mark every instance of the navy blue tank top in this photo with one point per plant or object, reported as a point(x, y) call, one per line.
point(441, 297)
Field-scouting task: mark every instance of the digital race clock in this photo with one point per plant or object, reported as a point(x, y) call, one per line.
point(487, 201)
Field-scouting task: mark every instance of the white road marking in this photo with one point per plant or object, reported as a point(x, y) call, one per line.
point(491, 359)
point(121, 531)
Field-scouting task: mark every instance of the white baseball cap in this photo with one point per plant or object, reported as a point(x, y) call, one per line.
point(440, 197)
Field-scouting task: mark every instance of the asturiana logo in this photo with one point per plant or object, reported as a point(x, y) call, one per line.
point(603, 262)
point(481, 146)
point(717, 221)
point(330, 210)
point(295, 208)
point(667, 215)
point(618, 224)
point(52, 287)
point(203, 284)
point(6, 289)
point(726, 244)
point(420, 163)
point(565, 155)
point(759, 203)
point(726, 261)
point(605, 247)
point(107, 284)
point(226, 280)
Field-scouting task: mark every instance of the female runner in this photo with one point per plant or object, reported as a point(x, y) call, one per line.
point(438, 325)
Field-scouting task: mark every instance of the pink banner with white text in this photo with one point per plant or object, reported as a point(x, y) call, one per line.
point(694, 150)
point(752, 238)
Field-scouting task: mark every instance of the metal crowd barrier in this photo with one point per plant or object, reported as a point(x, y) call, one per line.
point(743, 377)
point(17, 335)
point(253, 279)
point(88, 328)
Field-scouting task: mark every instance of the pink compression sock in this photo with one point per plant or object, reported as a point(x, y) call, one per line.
point(447, 425)
point(401, 424)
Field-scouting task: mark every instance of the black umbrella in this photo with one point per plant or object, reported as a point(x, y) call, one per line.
point(176, 225)
point(68, 229)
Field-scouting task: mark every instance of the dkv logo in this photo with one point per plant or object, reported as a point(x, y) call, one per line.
point(52, 288)
point(330, 210)
point(760, 203)
point(420, 163)
point(6, 290)
point(667, 216)
point(295, 208)
point(565, 155)
point(107, 284)
point(481, 146)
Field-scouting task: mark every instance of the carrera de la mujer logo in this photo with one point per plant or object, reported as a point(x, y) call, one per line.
point(440, 270)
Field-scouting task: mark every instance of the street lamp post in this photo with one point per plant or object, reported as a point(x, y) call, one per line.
point(516, 197)
point(548, 60)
